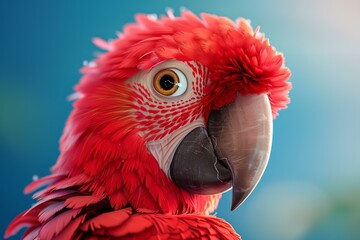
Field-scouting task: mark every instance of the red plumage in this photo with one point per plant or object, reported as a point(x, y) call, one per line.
point(106, 184)
point(70, 214)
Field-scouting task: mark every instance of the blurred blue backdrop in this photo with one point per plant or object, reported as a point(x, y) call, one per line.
point(310, 189)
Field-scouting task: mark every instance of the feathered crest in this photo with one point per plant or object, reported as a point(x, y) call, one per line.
point(239, 59)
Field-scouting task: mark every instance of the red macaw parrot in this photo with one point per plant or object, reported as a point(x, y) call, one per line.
point(177, 111)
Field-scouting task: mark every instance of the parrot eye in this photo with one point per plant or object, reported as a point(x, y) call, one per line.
point(170, 82)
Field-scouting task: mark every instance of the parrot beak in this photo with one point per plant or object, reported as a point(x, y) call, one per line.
point(232, 152)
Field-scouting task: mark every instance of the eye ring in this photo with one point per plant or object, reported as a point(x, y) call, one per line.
point(166, 82)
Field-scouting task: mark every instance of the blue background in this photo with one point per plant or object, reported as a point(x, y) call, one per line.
point(310, 189)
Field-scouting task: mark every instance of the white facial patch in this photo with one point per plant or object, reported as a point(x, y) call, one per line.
point(164, 149)
point(165, 120)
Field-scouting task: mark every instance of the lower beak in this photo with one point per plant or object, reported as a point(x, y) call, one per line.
point(232, 152)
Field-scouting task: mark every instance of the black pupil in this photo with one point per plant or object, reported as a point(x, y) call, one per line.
point(167, 82)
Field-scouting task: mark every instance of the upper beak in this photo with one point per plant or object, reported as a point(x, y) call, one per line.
point(232, 152)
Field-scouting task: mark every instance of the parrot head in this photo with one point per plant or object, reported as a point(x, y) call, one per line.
point(177, 111)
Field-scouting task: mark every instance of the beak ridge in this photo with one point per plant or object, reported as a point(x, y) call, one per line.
point(242, 135)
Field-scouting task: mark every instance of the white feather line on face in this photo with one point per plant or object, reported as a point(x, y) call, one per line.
point(164, 149)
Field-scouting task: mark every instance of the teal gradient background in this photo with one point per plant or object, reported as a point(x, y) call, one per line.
point(310, 189)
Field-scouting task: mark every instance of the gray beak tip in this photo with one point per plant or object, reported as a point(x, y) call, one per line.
point(237, 199)
point(234, 206)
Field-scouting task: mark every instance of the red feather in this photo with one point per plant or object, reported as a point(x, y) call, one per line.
point(31, 233)
point(81, 201)
point(107, 220)
point(49, 211)
point(71, 230)
point(41, 182)
point(20, 222)
point(57, 224)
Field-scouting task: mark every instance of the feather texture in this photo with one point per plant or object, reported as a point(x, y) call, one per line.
point(106, 184)
point(89, 217)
